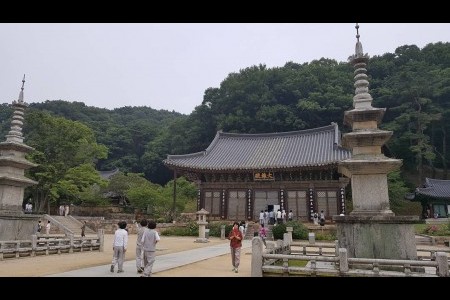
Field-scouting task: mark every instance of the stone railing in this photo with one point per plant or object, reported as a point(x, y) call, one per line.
point(321, 248)
point(51, 244)
point(429, 254)
point(275, 262)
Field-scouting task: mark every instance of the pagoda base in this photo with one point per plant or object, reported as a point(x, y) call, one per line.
point(381, 236)
point(17, 226)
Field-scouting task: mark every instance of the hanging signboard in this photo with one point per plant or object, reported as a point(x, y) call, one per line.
point(263, 176)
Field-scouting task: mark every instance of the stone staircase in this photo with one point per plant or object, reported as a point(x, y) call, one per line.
point(69, 225)
point(422, 239)
point(249, 233)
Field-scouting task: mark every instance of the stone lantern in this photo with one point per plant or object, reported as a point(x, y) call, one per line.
point(201, 221)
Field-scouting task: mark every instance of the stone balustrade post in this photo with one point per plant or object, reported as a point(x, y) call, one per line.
point(257, 259)
point(71, 242)
point(442, 268)
point(222, 232)
point(286, 243)
point(101, 238)
point(289, 231)
point(343, 260)
point(33, 242)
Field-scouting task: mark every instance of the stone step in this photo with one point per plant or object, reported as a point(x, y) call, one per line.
point(249, 234)
point(69, 223)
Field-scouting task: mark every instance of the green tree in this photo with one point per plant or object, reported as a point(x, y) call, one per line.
point(65, 152)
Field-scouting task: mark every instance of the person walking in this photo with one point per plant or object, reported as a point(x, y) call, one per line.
point(141, 226)
point(290, 215)
point(120, 244)
point(149, 239)
point(235, 237)
point(242, 228)
point(279, 219)
point(261, 217)
point(263, 234)
point(83, 229)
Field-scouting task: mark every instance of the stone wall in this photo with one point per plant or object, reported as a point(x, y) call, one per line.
point(92, 211)
point(110, 225)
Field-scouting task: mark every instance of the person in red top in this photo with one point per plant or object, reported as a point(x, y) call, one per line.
point(235, 237)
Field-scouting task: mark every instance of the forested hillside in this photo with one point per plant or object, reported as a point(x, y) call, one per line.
point(412, 83)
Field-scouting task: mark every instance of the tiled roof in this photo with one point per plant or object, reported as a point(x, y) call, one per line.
point(108, 174)
point(435, 188)
point(233, 151)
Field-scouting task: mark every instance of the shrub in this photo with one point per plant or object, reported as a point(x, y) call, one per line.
point(214, 228)
point(191, 229)
point(299, 231)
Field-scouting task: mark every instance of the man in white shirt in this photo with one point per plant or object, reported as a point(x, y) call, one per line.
point(119, 247)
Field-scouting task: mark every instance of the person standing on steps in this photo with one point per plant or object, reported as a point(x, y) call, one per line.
point(47, 228)
point(120, 244)
point(235, 237)
point(83, 229)
point(39, 227)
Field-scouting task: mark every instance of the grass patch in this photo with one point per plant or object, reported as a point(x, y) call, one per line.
point(297, 263)
point(433, 229)
point(293, 263)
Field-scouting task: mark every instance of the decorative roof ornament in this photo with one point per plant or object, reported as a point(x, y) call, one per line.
point(358, 47)
point(15, 134)
point(20, 100)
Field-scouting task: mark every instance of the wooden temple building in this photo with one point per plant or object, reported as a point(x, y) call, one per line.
point(239, 175)
point(434, 196)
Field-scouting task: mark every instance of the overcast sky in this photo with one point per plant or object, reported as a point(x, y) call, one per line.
point(169, 66)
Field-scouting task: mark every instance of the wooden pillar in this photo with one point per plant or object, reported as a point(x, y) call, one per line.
point(174, 193)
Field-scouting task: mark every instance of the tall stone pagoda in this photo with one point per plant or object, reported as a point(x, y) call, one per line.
point(371, 230)
point(12, 179)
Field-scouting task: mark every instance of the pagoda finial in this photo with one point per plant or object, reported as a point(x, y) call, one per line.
point(20, 100)
point(362, 98)
point(358, 47)
point(357, 32)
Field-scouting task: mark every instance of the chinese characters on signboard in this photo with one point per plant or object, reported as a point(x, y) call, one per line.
point(260, 176)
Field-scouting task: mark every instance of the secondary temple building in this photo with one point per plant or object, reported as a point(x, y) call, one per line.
point(434, 196)
point(239, 175)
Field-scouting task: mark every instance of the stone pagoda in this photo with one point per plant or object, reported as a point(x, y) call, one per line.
point(371, 230)
point(14, 224)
